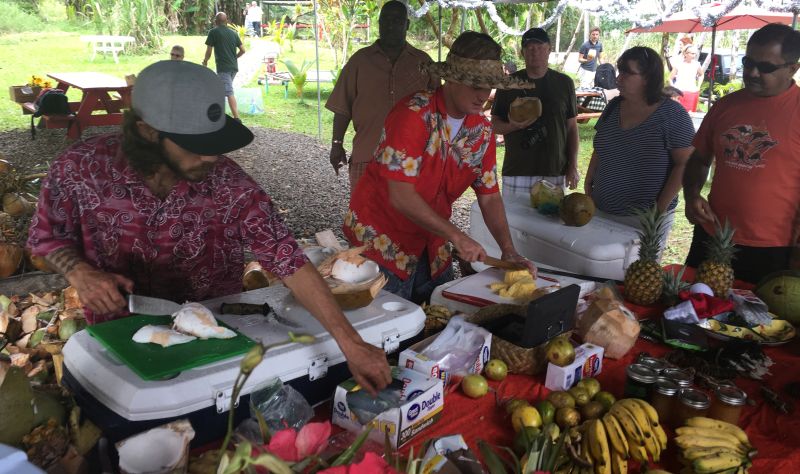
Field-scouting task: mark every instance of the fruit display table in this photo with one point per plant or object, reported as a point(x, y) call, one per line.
point(776, 436)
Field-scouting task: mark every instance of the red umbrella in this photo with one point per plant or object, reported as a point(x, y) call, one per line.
point(740, 18)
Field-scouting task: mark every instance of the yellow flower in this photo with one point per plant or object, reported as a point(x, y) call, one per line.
point(443, 253)
point(382, 243)
point(435, 143)
point(489, 179)
point(359, 230)
point(410, 166)
point(401, 260)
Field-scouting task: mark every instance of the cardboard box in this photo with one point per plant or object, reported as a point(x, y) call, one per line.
point(420, 407)
point(588, 363)
point(22, 94)
point(412, 358)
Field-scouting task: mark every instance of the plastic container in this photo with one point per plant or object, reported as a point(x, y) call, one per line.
point(639, 381)
point(663, 398)
point(122, 404)
point(727, 404)
point(691, 402)
point(602, 248)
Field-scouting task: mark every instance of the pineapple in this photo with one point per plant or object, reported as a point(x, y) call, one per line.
point(716, 270)
point(643, 279)
point(673, 285)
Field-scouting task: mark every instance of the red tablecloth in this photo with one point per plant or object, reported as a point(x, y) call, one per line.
point(776, 436)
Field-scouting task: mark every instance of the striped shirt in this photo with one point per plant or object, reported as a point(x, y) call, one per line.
point(633, 165)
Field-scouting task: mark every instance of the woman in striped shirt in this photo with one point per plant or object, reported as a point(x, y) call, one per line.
point(642, 143)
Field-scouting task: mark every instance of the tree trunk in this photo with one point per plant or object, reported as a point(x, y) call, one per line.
point(665, 46)
point(479, 16)
point(430, 20)
point(572, 41)
point(450, 36)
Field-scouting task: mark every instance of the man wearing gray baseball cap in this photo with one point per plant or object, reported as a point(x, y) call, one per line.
point(158, 210)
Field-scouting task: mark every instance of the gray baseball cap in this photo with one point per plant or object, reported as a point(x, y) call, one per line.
point(185, 102)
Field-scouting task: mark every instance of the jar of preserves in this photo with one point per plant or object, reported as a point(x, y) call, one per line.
point(682, 377)
point(692, 402)
point(663, 399)
point(659, 365)
point(727, 405)
point(639, 381)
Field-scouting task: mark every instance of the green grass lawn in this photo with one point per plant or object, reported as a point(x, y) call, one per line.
point(23, 55)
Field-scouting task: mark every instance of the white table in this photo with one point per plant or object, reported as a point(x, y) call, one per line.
point(108, 44)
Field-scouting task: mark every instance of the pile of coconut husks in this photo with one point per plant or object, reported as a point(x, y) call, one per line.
point(36, 414)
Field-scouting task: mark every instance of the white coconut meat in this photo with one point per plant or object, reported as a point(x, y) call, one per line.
point(197, 320)
point(349, 272)
point(161, 335)
point(160, 450)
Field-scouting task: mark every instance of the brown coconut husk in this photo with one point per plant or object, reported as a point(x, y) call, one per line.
point(352, 255)
point(10, 259)
point(354, 296)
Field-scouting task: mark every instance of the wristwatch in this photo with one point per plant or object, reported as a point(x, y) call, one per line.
point(337, 142)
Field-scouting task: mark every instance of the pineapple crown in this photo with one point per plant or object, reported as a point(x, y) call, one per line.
point(720, 247)
point(653, 227)
point(673, 282)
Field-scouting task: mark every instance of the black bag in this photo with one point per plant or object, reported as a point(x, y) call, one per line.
point(606, 76)
point(50, 102)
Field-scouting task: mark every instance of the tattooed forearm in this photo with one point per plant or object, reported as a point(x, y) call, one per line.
point(64, 259)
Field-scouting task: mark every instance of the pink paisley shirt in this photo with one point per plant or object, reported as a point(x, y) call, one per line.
point(188, 246)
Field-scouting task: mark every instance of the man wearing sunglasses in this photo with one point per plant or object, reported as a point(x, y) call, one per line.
point(754, 136)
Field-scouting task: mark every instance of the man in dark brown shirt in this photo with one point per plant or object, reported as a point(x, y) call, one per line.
point(370, 84)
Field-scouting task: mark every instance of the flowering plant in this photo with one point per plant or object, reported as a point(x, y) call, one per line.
point(39, 81)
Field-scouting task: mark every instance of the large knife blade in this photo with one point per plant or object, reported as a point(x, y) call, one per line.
point(149, 305)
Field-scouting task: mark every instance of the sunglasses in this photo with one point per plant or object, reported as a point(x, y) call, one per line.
point(762, 66)
point(174, 55)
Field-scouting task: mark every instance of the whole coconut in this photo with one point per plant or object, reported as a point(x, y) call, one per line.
point(10, 259)
point(545, 194)
point(523, 109)
point(781, 292)
point(576, 209)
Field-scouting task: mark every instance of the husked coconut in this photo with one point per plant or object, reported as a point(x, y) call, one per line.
point(348, 272)
point(197, 320)
point(161, 335)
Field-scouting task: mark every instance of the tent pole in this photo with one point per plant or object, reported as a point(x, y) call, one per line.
point(713, 66)
point(794, 20)
point(440, 32)
point(316, 55)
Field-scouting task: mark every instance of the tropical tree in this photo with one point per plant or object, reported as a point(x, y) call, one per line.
point(298, 75)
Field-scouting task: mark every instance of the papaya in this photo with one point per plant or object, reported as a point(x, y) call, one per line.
point(781, 292)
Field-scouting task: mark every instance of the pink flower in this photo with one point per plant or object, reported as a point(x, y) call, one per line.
point(371, 464)
point(293, 446)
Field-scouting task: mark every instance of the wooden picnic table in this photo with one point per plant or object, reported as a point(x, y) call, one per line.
point(584, 97)
point(103, 98)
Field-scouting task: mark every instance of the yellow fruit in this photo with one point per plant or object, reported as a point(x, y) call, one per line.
point(523, 109)
point(703, 422)
point(525, 416)
point(616, 436)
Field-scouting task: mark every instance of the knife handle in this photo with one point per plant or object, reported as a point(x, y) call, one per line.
point(244, 308)
point(496, 262)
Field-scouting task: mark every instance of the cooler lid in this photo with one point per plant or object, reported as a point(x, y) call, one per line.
point(387, 321)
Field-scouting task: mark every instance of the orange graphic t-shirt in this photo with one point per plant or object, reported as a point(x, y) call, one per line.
point(756, 145)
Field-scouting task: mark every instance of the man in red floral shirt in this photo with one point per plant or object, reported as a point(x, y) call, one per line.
point(160, 211)
point(434, 146)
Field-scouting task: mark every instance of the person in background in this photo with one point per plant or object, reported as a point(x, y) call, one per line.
point(435, 145)
point(374, 79)
point(752, 136)
point(253, 16)
point(157, 209)
point(176, 53)
point(685, 76)
point(589, 56)
point(641, 145)
point(227, 48)
point(509, 67)
point(545, 148)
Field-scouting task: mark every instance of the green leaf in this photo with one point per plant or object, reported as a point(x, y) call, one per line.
point(273, 463)
point(348, 454)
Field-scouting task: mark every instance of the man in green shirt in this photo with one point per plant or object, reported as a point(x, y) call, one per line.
point(545, 148)
point(228, 48)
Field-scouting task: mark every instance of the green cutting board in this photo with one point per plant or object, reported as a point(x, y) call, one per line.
point(153, 362)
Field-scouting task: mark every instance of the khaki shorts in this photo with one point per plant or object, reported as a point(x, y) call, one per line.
point(227, 81)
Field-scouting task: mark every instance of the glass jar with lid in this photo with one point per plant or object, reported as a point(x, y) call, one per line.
point(691, 402)
point(728, 404)
point(639, 381)
point(664, 399)
point(682, 377)
point(659, 365)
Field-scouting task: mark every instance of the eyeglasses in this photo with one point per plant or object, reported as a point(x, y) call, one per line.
point(175, 55)
point(763, 67)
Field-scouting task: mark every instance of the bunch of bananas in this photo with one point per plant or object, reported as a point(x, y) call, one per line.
point(708, 445)
point(630, 429)
point(436, 317)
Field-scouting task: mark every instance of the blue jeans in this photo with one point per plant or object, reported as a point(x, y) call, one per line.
point(419, 286)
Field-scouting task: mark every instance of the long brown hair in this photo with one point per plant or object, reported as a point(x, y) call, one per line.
point(144, 156)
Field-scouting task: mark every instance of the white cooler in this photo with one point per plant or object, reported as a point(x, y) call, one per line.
point(121, 403)
point(602, 248)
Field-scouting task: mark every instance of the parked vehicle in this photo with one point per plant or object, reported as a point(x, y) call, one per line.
point(723, 65)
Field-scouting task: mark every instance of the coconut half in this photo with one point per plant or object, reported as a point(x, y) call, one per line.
point(352, 273)
point(160, 450)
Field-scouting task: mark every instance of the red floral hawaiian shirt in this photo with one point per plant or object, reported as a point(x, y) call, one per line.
point(188, 246)
point(415, 148)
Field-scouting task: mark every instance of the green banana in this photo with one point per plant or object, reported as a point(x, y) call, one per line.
point(716, 462)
